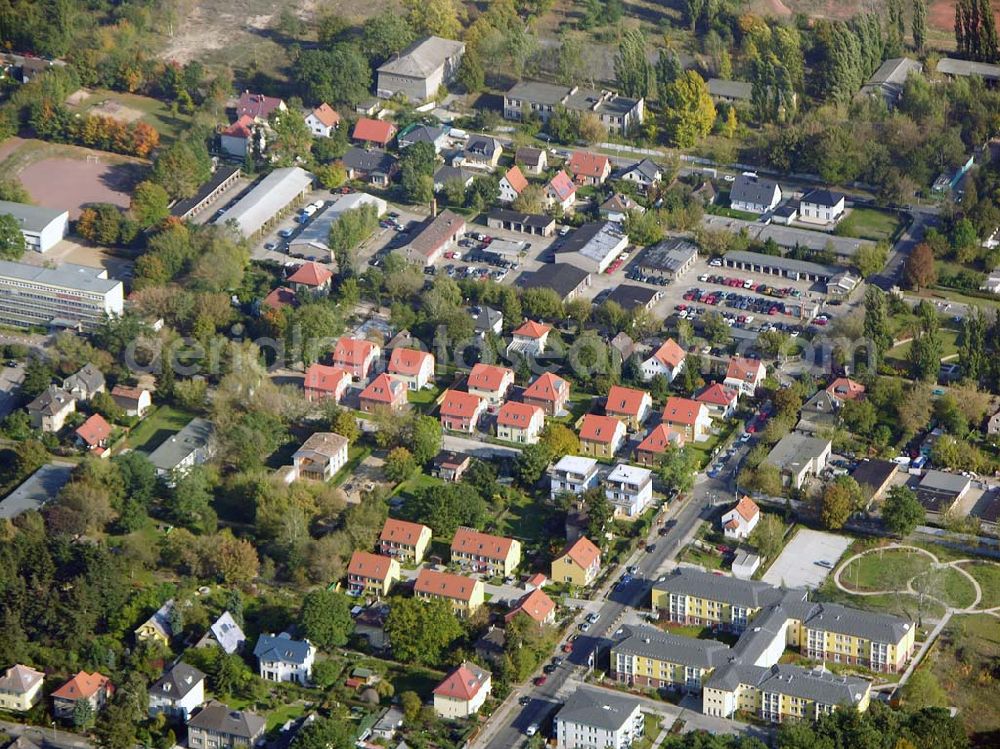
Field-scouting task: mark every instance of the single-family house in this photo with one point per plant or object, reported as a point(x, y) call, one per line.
point(324, 382)
point(487, 321)
point(529, 339)
point(818, 414)
point(85, 383)
point(190, 447)
point(357, 356)
point(798, 457)
point(311, 278)
point(93, 434)
point(993, 424)
point(322, 121)
point(536, 605)
point(460, 412)
point(658, 441)
point(601, 436)
point(572, 473)
point(450, 465)
point(371, 574)
point(821, 206)
point(133, 400)
point(667, 360)
point(481, 151)
point(436, 137)
point(751, 194)
point(375, 166)
point(447, 173)
point(158, 627)
point(579, 563)
point(719, 400)
point(628, 404)
point(217, 726)
point(512, 184)
point(745, 375)
point(413, 367)
point(178, 693)
point(404, 540)
point(532, 160)
point(320, 456)
point(739, 522)
point(49, 410)
point(687, 417)
point(845, 389)
point(237, 139)
point(258, 107)
point(630, 489)
point(589, 168)
point(490, 382)
point(560, 192)
point(463, 593)
point(224, 634)
point(520, 422)
point(420, 70)
point(645, 173)
point(278, 299)
point(280, 658)
point(20, 688)
point(874, 478)
point(482, 552)
point(94, 688)
point(463, 692)
point(549, 392)
point(384, 392)
point(373, 132)
point(618, 207)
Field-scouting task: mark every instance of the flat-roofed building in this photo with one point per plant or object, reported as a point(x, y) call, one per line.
point(568, 281)
point(573, 473)
point(798, 456)
point(41, 227)
point(593, 247)
point(67, 296)
point(524, 223)
point(671, 258)
point(599, 718)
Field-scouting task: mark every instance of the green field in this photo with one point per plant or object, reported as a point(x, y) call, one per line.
point(868, 223)
point(948, 585)
point(524, 521)
point(704, 558)
point(886, 570)
point(949, 339)
point(159, 424)
point(987, 575)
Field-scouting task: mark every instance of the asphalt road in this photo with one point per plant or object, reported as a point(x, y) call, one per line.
point(46, 737)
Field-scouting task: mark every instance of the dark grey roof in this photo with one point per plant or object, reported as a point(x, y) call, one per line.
point(951, 66)
point(370, 161)
point(51, 401)
point(421, 134)
point(786, 210)
point(814, 684)
point(601, 102)
point(482, 145)
point(281, 649)
point(598, 708)
point(538, 221)
point(447, 172)
point(874, 473)
point(823, 197)
point(632, 296)
point(783, 263)
point(539, 93)
point(195, 436)
point(89, 376)
point(650, 642)
point(794, 450)
point(216, 717)
point(746, 593)
point(727, 89)
point(562, 278)
point(528, 155)
point(39, 488)
point(177, 682)
point(987, 507)
point(832, 617)
point(647, 168)
point(182, 207)
point(668, 255)
point(754, 190)
point(488, 318)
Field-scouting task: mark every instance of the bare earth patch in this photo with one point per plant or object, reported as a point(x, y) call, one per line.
point(78, 97)
point(72, 184)
point(116, 111)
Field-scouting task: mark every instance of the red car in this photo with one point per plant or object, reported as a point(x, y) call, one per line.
point(567, 647)
point(540, 680)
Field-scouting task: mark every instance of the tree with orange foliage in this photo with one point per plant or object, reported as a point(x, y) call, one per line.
point(920, 271)
point(86, 225)
point(145, 138)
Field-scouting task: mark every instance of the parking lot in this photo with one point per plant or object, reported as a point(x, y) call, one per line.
point(803, 562)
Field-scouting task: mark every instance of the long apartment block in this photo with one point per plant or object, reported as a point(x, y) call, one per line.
point(68, 296)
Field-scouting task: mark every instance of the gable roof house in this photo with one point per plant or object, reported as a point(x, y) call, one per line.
point(660, 438)
point(134, 401)
point(512, 184)
point(536, 605)
point(534, 160)
point(560, 192)
point(719, 400)
point(617, 208)
point(463, 691)
point(549, 392)
point(311, 277)
point(356, 355)
point(460, 412)
point(889, 79)
point(404, 540)
point(420, 70)
point(481, 151)
point(258, 107)
point(158, 626)
point(93, 435)
point(465, 594)
point(371, 574)
point(323, 381)
point(751, 194)
point(178, 693)
point(667, 360)
point(490, 382)
point(589, 168)
point(488, 320)
point(320, 456)
point(417, 133)
point(486, 553)
point(20, 688)
point(617, 114)
point(687, 417)
point(225, 634)
point(322, 121)
point(280, 658)
point(84, 384)
point(739, 522)
point(216, 726)
point(645, 173)
point(438, 235)
point(628, 404)
point(745, 375)
point(601, 436)
point(374, 165)
point(578, 564)
point(819, 413)
point(94, 688)
point(376, 132)
point(50, 409)
point(520, 422)
point(191, 446)
point(449, 465)
point(237, 139)
point(384, 392)
point(415, 368)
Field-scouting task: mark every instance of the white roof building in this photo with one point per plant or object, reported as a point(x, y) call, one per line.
point(267, 199)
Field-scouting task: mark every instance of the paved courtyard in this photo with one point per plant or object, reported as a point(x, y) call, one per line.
point(796, 566)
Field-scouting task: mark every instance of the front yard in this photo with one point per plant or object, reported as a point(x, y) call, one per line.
point(868, 223)
point(159, 424)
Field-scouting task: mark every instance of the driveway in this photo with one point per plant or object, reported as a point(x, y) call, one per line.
point(796, 566)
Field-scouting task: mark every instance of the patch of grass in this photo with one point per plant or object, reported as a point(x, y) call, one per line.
point(284, 713)
point(948, 585)
point(897, 604)
point(424, 397)
point(709, 561)
point(987, 575)
point(159, 424)
point(650, 731)
point(884, 570)
point(525, 519)
point(868, 223)
point(414, 679)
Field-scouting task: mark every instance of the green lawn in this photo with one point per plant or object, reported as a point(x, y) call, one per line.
point(651, 730)
point(964, 660)
point(949, 339)
point(868, 223)
point(987, 575)
point(884, 570)
point(154, 112)
point(284, 713)
point(948, 585)
point(159, 424)
point(424, 397)
point(704, 558)
point(524, 521)
point(409, 488)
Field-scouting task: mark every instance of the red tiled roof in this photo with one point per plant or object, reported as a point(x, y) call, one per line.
point(623, 400)
point(368, 565)
point(583, 551)
point(432, 582)
point(516, 179)
point(518, 415)
point(353, 351)
point(562, 186)
point(311, 274)
point(488, 377)
point(600, 428)
point(280, 298)
point(457, 403)
point(376, 131)
point(548, 387)
point(747, 508)
point(846, 389)
point(682, 411)
point(407, 361)
point(716, 394)
point(746, 370)
point(536, 604)
point(127, 391)
point(471, 541)
point(257, 105)
point(670, 353)
point(82, 686)
point(94, 430)
point(326, 114)
point(325, 378)
point(240, 128)
point(384, 389)
point(463, 683)
point(401, 531)
point(585, 164)
point(659, 439)
point(533, 330)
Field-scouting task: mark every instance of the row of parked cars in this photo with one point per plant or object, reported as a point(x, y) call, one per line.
point(734, 300)
point(750, 285)
point(637, 275)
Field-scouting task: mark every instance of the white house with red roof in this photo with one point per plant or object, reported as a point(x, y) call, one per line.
point(719, 399)
point(589, 168)
point(93, 435)
point(530, 339)
point(311, 277)
point(490, 382)
point(376, 132)
point(536, 605)
point(357, 356)
point(415, 368)
point(628, 404)
point(237, 139)
point(383, 392)
point(461, 412)
point(745, 375)
point(687, 417)
point(322, 121)
point(512, 184)
point(667, 360)
point(324, 382)
point(561, 192)
point(845, 389)
point(740, 521)
point(549, 392)
point(463, 692)
point(520, 422)
point(654, 444)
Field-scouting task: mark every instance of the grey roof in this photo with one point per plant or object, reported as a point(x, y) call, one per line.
point(874, 473)
point(177, 682)
point(951, 66)
point(422, 58)
point(89, 376)
point(601, 102)
point(727, 89)
point(421, 134)
point(593, 240)
point(31, 218)
point(939, 481)
point(537, 92)
point(448, 172)
point(668, 255)
point(39, 488)
point(822, 197)
point(528, 155)
point(650, 642)
point(488, 318)
point(562, 278)
point(794, 450)
point(783, 263)
point(183, 207)
point(795, 681)
point(693, 582)
point(369, 161)
point(317, 232)
point(267, 198)
point(832, 617)
point(281, 648)
point(227, 633)
point(160, 620)
point(482, 145)
point(598, 708)
point(890, 77)
point(65, 276)
point(216, 717)
point(647, 168)
point(538, 221)
point(620, 203)
point(787, 236)
point(196, 435)
point(749, 189)
point(632, 296)
point(51, 401)
point(786, 210)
